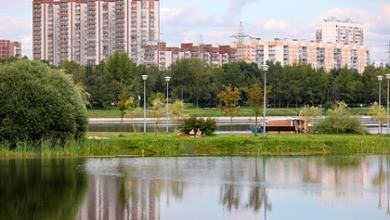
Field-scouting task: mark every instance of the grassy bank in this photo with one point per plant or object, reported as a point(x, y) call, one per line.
point(113, 112)
point(69, 149)
point(169, 145)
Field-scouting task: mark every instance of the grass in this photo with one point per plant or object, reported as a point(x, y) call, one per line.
point(113, 112)
point(243, 144)
point(71, 148)
point(169, 145)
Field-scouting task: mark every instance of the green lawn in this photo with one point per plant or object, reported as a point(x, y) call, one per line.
point(169, 145)
point(113, 112)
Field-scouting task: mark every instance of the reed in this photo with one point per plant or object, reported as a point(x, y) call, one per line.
point(55, 148)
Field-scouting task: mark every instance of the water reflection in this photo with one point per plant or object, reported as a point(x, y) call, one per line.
point(41, 189)
point(314, 187)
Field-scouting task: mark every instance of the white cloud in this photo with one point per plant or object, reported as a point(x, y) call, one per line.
point(235, 8)
point(274, 25)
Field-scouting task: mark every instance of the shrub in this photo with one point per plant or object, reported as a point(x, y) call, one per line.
point(339, 121)
point(207, 127)
point(38, 102)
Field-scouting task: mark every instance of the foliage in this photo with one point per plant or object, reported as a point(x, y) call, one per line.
point(41, 189)
point(310, 115)
point(379, 113)
point(227, 99)
point(208, 126)
point(158, 108)
point(133, 109)
point(339, 121)
point(177, 113)
point(256, 99)
point(38, 102)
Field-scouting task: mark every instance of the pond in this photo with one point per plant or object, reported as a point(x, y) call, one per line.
point(267, 187)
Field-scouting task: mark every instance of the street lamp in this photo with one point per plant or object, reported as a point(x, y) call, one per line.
point(167, 78)
point(388, 78)
point(265, 68)
point(380, 85)
point(144, 77)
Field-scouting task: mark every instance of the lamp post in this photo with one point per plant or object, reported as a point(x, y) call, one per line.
point(265, 68)
point(144, 77)
point(380, 85)
point(167, 78)
point(388, 78)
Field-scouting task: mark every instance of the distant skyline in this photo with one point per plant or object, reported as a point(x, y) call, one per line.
point(183, 21)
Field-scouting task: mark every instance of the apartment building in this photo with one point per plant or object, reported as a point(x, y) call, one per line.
point(88, 31)
point(214, 54)
point(320, 55)
point(340, 32)
point(9, 48)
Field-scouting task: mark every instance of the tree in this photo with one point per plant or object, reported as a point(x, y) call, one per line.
point(256, 99)
point(158, 107)
point(177, 113)
point(120, 66)
point(37, 102)
point(310, 115)
point(133, 109)
point(227, 99)
point(345, 85)
point(338, 114)
point(123, 105)
point(379, 113)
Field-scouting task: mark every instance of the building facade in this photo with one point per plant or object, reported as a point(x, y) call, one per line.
point(9, 48)
point(319, 55)
point(214, 54)
point(340, 32)
point(88, 31)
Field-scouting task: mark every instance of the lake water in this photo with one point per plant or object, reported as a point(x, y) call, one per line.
point(216, 188)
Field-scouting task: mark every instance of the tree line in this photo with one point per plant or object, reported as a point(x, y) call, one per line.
point(197, 82)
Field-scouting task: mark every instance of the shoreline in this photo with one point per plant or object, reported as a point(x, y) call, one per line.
point(167, 145)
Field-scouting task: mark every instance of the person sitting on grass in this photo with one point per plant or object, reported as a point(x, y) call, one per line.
point(192, 133)
point(198, 133)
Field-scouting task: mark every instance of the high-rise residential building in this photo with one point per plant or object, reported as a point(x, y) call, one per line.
point(214, 54)
point(9, 48)
point(340, 32)
point(88, 31)
point(319, 55)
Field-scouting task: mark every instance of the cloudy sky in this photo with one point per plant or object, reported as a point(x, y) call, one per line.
point(183, 21)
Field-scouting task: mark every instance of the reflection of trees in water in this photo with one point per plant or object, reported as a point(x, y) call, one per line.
point(258, 195)
point(230, 192)
point(41, 189)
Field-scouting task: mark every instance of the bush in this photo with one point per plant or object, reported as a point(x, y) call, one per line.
point(37, 102)
point(346, 124)
point(207, 127)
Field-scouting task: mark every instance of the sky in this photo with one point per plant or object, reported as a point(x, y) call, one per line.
point(184, 21)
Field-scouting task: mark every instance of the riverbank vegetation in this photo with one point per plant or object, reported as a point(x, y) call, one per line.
point(169, 145)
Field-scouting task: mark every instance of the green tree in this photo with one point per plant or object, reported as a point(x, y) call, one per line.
point(158, 107)
point(177, 113)
point(345, 85)
point(338, 113)
point(37, 102)
point(133, 109)
point(120, 66)
point(227, 99)
point(379, 113)
point(256, 99)
point(310, 115)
